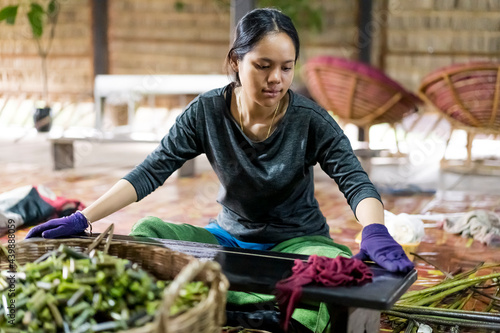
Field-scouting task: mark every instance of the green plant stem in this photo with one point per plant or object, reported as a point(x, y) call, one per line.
point(398, 327)
point(457, 301)
point(442, 294)
point(410, 327)
point(465, 301)
point(480, 266)
point(53, 24)
point(461, 314)
point(43, 62)
point(434, 304)
point(449, 284)
point(494, 298)
point(446, 320)
point(492, 302)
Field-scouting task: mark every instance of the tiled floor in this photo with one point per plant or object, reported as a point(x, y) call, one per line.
point(414, 185)
point(406, 187)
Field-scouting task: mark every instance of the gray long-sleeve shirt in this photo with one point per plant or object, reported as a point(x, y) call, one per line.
point(267, 187)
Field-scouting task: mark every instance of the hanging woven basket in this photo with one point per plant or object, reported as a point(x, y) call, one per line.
point(468, 94)
point(356, 92)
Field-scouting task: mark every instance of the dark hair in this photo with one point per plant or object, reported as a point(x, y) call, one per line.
point(254, 26)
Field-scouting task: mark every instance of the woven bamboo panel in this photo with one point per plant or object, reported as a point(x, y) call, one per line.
point(174, 48)
point(421, 36)
point(154, 37)
point(339, 27)
point(69, 63)
point(467, 5)
point(487, 21)
point(487, 42)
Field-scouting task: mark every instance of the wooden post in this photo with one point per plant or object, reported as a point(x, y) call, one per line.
point(238, 9)
point(100, 36)
point(364, 42)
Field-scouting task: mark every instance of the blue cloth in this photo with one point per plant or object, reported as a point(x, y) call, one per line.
point(225, 239)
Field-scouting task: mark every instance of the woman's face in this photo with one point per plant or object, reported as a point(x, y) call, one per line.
point(267, 71)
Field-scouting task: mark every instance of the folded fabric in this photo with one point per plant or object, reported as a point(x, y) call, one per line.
point(328, 272)
point(31, 205)
point(480, 224)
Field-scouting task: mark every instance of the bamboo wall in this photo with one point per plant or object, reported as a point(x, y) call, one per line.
point(152, 37)
point(421, 36)
point(411, 38)
point(339, 34)
point(70, 59)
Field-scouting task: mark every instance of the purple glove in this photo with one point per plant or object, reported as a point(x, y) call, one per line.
point(379, 246)
point(61, 227)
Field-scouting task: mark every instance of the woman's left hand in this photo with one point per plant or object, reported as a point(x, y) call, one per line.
point(379, 246)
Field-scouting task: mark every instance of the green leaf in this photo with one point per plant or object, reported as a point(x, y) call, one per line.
point(35, 7)
point(9, 14)
point(35, 17)
point(304, 13)
point(52, 8)
point(179, 6)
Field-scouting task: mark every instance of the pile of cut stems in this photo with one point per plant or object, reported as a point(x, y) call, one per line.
point(68, 291)
point(444, 305)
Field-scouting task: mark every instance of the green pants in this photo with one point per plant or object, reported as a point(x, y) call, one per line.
point(316, 319)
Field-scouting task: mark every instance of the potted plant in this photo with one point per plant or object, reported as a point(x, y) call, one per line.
point(40, 19)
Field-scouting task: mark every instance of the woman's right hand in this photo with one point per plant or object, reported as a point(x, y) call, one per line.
point(60, 227)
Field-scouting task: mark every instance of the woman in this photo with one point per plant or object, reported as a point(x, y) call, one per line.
point(262, 141)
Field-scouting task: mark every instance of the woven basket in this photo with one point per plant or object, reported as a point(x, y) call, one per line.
point(356, 92)
point(164, 264)
point(467, 94)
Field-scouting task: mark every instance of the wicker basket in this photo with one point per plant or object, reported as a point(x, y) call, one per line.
point(467, 94)
point(357, 93)
point(164, 264)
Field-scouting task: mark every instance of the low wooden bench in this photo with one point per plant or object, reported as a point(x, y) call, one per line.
point(63, 149)
point(352, 309)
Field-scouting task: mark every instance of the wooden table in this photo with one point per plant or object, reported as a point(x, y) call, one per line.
point(135, 86)
point(353, 309)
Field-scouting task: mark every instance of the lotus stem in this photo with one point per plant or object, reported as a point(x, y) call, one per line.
point(461, 314)
point(449, 321)
point(442, 294)
point(450, 284)
point(492, 302)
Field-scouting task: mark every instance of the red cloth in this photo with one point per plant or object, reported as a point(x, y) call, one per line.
point(62, 206)
point(30, 205)
point(322, 271)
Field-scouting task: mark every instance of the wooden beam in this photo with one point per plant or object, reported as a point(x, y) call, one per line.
point(364, 42)
point(100, 36)
point(365, 30)
point(238, 10)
